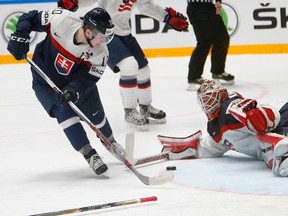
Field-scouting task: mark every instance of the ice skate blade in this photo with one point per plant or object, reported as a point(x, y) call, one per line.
point(103, 175)
point(138, 127)
point(154, 121)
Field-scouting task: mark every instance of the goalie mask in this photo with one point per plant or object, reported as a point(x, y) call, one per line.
point(210, 96)
point(98, 20)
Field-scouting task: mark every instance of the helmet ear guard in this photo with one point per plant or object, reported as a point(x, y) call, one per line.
point(210, 95)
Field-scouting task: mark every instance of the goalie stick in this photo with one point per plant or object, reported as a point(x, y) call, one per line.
point(129, 148)
point(97, 207)
point(162, 178)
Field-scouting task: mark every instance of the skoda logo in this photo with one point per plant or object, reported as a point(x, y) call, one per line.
point(230, 18)
point(9, 26)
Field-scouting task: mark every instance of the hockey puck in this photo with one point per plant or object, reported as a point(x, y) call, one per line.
point(171, 168)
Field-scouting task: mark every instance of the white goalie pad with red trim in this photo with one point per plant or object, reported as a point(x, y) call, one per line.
point(278, 160)
point(180, 147)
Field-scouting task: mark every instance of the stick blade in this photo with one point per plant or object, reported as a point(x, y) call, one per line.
point(163, 178)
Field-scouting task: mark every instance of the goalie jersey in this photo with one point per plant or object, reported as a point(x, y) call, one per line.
point(57, 55)
point(228, 132)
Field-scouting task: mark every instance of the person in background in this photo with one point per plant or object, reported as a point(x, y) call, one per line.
point(211, 34)
point(238, 124)
point(127, 57)
point(73, 55)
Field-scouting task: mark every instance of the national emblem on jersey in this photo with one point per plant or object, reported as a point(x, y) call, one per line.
point(128, 4)
point(63, 65)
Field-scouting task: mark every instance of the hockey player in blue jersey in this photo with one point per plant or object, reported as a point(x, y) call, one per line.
point(127, 57)
point(238, 124)
point(73, 55)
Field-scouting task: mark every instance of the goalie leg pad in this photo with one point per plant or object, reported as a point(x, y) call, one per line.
point(275, 151)
point(188, 153)
point(279, 145)
point(283, 168)
point(280, 165)
point(181, 147)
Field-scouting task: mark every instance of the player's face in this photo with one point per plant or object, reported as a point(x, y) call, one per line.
point(98, 39)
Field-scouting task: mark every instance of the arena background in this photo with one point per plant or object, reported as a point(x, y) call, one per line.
point(255, 27)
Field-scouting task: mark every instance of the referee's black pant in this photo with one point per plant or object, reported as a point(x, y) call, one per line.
point(210, 31)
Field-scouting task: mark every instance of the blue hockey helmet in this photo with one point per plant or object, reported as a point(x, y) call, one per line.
point(98, 20)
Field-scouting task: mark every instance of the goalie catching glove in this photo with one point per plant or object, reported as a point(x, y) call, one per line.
point(180, 147)
point(257, 119)
point(175, 20)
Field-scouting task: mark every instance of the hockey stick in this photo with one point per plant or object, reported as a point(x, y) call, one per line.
point(97, 207)
point(163, 178)
point(129, 148)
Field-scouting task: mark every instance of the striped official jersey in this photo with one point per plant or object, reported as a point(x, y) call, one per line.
point(58, 55)
point(121, 10)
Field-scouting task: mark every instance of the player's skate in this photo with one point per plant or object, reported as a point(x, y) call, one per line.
point(224, 78)
point(115, 150)
point(193, 85)
point(153, 115)
point(96, 163)
point(133, 117)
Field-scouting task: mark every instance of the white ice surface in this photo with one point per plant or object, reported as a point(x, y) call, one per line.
point(41, 172)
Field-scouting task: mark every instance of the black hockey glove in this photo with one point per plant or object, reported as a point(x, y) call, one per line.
point(18, 45)
point(176, 20)
point(71, 5)
point(61, 99)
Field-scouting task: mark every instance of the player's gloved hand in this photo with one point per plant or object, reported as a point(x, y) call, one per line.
point(246, 104)
point(71, 5)
point(18, 45)
point(61, 99)
point(175, 19)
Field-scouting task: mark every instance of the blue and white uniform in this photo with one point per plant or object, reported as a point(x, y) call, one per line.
point(227, 132)
point(67, 64)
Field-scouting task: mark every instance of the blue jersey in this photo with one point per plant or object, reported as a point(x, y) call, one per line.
point(58, 55)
